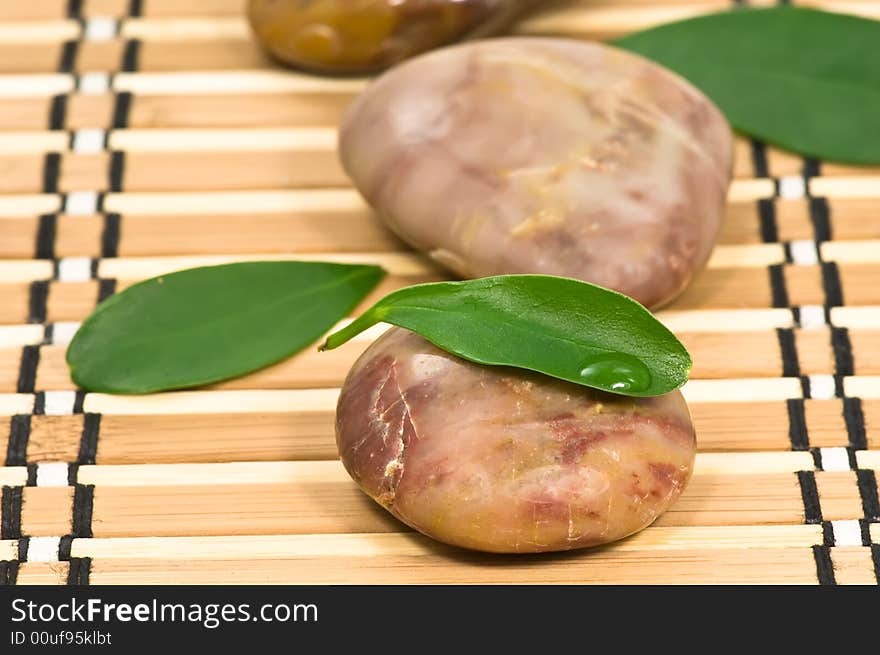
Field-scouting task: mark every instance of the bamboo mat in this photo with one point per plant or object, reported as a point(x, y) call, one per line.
point(144, 137)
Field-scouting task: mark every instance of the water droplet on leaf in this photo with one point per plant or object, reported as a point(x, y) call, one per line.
point(617, 372)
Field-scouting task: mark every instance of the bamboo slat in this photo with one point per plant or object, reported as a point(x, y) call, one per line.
point(16, 403)
point(262, 400)
point(853, 566)
point(296, 433)
point(439, 566)
point(691, 321)
point(318, 497)
point(241, 159)
point(12, 476)
point(321, 498)
point(727, 265)
point(383, 545)
point(317, 472)
point(310, 369)
point(47, 511)
point(284, 227)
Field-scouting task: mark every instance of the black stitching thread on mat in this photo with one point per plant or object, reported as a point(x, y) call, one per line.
point(788, 349)
point(65, 545)
point(58, 112)
point(110, 235)
point(78, 399)
point(121, 109)
point(806, 388)
point(8, 573)
point(865, 530)
point(759, 159)
point(78, 574)
point(867, 482)
point(851, 458)
point(842, 348)
point(824, 565)
point(820, 216)
point(875, 556)
point(40, 403)
point(68, 56)
point(10, 508)
point(767, 216)
point(106, 288)
point(39, 294)
point(51, 171)
point(841, 345)
point(810, 496)
point(46, 230)
point(31, 475)
point(88, 443)
point(797, 424)
point(838, 386)
point(19, 433)
point(74, 8)
point(854, 418)
point(827, 533)
point(72, 474)
point(24, 545)
point(27, 369)
point(117, 170)
point(786, 252)
point(831, 284)
point(812, 167)
point(777, 285)
point(83, 503)
point(130, 56)
point(135, 8)
point(816, 454)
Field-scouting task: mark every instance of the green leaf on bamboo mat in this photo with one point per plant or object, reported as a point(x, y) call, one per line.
point(805, 80)
point(209, 324)
point(564, 328)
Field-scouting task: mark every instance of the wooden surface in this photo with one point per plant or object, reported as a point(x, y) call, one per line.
point(166, 140)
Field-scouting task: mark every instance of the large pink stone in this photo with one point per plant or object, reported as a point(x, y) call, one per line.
point(545, 156)
point(504, 460)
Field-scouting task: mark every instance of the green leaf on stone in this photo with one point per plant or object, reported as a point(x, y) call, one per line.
point(564, 328)
point(208, 324)
point(802, 79)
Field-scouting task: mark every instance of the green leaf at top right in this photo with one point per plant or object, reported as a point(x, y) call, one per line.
point(801, 79)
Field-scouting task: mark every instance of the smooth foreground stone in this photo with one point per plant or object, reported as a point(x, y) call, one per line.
point(356, 36)
point(545, 156)
point(503, 460)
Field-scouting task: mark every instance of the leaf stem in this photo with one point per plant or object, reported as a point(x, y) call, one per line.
point(363, 322)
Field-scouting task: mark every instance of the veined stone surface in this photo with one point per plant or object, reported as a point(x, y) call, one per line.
point(504, 460)
point(545, 156)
